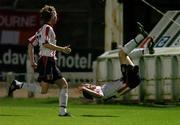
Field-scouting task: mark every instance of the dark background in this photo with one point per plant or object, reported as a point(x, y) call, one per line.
point(136, 10)
point(81, 23)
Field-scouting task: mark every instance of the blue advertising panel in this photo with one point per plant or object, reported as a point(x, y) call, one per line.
point(163, 41)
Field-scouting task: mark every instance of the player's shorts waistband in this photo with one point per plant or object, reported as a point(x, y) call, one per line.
point(47, 57)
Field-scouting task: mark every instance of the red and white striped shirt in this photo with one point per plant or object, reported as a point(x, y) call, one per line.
point(44, 35)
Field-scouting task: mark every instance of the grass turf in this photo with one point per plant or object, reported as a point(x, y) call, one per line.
point(45, 112)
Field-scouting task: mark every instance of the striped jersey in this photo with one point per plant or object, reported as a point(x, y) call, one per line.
point(44, 35)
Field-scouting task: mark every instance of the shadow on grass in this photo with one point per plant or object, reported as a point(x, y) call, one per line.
point(99, 116)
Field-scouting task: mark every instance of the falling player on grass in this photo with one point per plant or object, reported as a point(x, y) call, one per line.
point(130, 72)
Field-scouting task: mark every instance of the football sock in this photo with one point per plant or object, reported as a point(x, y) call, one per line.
point(133, 43)
point(138, 52)
point(32, 87)
point(63, 100)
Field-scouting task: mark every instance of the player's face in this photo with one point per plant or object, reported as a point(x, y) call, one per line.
point(54, 18)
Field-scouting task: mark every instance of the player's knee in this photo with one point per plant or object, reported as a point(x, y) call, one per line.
point(122, 54)
point(64, 83)
point(121, 51)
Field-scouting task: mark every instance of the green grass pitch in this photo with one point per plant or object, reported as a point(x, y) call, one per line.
point(45, 112)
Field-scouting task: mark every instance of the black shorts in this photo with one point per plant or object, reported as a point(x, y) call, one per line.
point(48, 70)
point(133, 78)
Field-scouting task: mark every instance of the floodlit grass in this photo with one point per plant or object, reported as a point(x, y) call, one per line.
point(45, 112)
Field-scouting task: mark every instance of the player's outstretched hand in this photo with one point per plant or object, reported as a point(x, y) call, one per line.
point(67, 49)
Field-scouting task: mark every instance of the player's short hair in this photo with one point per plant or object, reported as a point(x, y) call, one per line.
point(46, 13)
point(87, 95)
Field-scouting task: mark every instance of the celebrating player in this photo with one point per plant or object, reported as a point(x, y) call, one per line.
point(46, 66)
